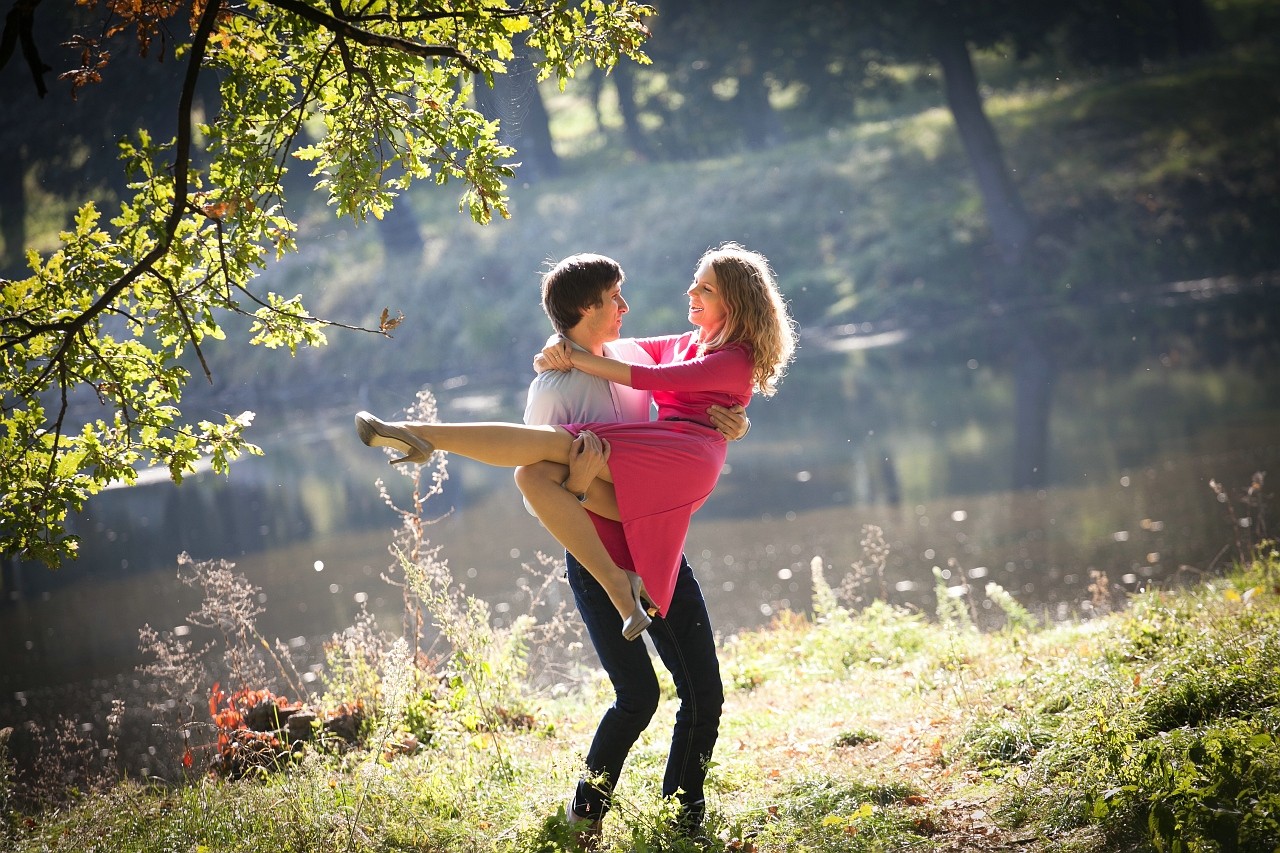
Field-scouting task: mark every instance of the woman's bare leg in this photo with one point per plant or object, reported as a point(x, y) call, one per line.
point(502, 444)
point(515, 445)
point(562, 515)
point(602, 498)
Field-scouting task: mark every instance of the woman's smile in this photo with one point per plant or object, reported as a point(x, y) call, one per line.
point(707, 309)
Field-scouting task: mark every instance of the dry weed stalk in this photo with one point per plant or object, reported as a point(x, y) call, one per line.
point(871, 569)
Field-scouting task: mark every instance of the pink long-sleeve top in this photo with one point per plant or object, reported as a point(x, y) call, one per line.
point(684, 383)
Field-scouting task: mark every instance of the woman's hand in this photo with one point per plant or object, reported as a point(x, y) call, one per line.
point(556, 355)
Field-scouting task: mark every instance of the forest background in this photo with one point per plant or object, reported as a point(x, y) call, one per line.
point(1031, 192)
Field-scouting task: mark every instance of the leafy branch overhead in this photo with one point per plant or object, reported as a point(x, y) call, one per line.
point(369, 96)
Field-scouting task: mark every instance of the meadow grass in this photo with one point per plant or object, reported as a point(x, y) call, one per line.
point(847, 727)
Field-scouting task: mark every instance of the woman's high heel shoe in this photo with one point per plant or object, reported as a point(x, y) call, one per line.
point(639, 620)
point(379, 433)
point(640, 594)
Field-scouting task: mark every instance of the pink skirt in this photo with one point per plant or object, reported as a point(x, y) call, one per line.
point(663, 471)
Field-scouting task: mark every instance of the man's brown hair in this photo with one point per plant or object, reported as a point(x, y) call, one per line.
point(575, 284)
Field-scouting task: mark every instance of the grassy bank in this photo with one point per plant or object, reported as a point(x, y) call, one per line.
point(854, 726)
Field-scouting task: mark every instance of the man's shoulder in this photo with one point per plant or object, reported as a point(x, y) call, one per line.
point(568, 397)
point(555, 385)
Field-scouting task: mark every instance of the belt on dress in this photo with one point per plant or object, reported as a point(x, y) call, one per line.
point(691, 421)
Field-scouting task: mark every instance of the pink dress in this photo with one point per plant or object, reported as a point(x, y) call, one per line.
point(664, 470)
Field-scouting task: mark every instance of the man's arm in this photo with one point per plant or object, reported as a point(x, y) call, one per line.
point(545, 404)
point(587, 457)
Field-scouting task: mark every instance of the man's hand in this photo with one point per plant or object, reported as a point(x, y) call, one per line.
point(587, 457)
point(732, 423)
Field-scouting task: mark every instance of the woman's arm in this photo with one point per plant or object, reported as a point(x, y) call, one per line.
point(727, 370)
point(723, 370)
point(561, 355)
point(606, 368)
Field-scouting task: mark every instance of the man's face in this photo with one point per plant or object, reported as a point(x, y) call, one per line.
point(603, 323)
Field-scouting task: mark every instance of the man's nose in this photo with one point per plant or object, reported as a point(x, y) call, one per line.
point(623, 307)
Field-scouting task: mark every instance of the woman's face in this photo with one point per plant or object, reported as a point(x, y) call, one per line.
point(707, 308)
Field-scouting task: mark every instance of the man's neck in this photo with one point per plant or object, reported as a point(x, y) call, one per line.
point(593, 346)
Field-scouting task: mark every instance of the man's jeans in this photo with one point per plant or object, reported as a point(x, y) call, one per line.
point(686, 645)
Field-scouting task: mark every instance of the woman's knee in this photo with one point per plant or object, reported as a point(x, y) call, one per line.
point(539, 473)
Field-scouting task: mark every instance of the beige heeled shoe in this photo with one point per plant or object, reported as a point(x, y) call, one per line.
point(640, 619)
point(378, 433)
point(640, 593)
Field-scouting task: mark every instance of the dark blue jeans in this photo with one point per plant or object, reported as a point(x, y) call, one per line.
point(687, 648)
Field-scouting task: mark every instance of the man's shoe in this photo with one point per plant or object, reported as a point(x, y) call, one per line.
point(587, 831)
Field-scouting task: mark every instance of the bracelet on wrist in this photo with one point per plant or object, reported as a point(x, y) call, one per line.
point(582, 498)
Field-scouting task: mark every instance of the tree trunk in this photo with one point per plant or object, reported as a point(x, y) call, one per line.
point(13, 213)
point(624, 82)
point(516, 102)
point(1010, 225)
point(760, 126)
point(1011, 229)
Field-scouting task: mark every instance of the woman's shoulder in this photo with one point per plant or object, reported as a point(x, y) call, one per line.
point(741, 349)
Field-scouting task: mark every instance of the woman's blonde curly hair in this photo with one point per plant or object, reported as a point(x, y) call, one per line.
point(756, 313)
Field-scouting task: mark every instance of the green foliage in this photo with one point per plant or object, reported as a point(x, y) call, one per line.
point(841, 641)
point(1173, 749)
point(1203, 787)
point(382, 92)
point(6, 783)
point(821, 815)
point(421, 716)
point(1007, 738)
point(351, 660)
point(1017, 618)
point(1179, 741)
point(951, 610)
point(857, 738)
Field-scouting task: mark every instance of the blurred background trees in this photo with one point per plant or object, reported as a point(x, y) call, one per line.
point(1036, 189)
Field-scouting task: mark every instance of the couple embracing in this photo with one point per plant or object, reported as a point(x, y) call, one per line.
point(617, 490)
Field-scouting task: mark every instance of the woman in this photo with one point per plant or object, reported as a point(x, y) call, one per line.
point(657, 474)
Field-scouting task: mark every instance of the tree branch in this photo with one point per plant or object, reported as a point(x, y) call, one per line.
point(345, 29)
point(186, 321)
point(181, 167)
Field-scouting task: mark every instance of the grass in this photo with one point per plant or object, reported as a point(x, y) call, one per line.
point(850, 728)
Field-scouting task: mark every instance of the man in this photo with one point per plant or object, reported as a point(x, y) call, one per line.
point(582, 295)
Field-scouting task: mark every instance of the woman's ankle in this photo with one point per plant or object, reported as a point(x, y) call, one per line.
point(618, 589)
